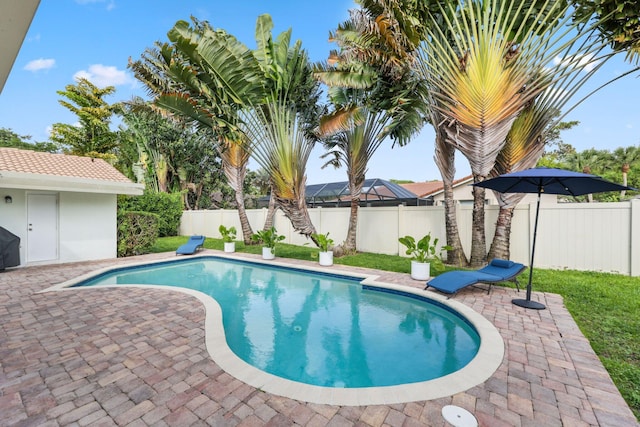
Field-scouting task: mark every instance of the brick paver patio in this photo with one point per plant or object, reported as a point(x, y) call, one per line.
point(137, 357)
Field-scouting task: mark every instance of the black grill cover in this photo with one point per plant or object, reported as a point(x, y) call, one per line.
point(9, 249)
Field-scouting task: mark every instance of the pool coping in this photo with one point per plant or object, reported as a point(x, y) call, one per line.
point(482, 367)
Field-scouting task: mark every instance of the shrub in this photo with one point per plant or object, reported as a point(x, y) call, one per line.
point(167, 206)
point(137, 232)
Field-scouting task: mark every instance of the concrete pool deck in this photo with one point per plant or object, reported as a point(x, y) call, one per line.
point(138, 357)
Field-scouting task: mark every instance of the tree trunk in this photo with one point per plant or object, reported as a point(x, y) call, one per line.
point(349, 245)
point(455, 255)
point(502, 237)
point(625, 171)
point(271, 213)
point(235, 177)
point(196, 204)
point(356, 182)
point(445, 160)
point(296, 211)
point(478, 239)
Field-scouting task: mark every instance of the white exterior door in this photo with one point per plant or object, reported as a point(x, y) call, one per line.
point(42, 227)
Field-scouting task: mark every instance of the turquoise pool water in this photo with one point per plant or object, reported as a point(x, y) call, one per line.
point(319, 329)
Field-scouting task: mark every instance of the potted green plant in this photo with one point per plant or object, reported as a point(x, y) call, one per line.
point(268, 238)
point(325, 244)
point(423, 252)
point(228, 237)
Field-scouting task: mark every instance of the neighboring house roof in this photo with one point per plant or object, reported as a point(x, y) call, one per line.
point(431, 188)
point(372, 189)
point(60, 172)
point(375, 192)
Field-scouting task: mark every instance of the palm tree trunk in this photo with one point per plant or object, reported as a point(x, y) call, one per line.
point(235, 177)
point(271, 213)
point(625, 171)
point(501, 239)
point(349, 245)
point(356, 182)
point(478, 238)
point(455, 255)
point(296, 211)
point(445, 160)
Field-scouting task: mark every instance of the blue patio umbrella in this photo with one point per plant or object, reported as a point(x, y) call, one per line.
point(549, 181)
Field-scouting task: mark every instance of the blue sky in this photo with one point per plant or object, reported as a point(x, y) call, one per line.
point(95, 38)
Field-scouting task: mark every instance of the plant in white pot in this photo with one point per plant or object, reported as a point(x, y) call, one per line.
point(228, 237)
point(423, 253)
point(325, 244)
point(268, 238)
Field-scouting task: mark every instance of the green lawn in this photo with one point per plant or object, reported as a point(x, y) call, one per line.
point(605, 306)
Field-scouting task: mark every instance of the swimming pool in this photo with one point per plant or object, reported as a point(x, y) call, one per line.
point(338, 337)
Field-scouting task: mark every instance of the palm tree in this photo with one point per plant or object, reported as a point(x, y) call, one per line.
point(207, 76)
point(374, 92)
point(537, 124)
point(484, 63)
point(282, 148)
point(280, 131)
point(523, 148)
point(445, 160)
point(626, 157)
point(352, 147)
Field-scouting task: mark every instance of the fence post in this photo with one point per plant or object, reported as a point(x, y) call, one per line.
point(634, 253)
point(401, 226)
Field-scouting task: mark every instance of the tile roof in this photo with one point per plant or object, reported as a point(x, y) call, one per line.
point(424, 189)
point(34, 162)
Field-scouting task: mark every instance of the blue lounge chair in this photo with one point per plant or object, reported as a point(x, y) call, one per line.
point(498, 270)
point(189, 248)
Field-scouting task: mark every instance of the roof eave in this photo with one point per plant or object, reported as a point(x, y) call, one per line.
point(32, 181)
point(15, 20)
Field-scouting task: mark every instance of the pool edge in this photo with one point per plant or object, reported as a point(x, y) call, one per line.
point(482, 367)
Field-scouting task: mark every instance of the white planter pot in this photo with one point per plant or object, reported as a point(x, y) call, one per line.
point(268, 253)
point(420, 270)
point(326, 258)
point(229, 246)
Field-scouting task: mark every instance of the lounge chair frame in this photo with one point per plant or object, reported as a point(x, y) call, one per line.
point(193, 244)
point(486, 275)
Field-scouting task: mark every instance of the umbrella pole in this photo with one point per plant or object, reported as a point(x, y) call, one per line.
point(527, 303)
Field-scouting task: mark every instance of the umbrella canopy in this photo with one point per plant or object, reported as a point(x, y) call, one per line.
point(549, 181)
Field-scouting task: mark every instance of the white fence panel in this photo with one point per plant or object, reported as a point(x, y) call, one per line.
point(584, 236)
point(593, 239)
point(378, 230)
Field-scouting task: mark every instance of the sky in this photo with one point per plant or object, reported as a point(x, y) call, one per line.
point(95, 38)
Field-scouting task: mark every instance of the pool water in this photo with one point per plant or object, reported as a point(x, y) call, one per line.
point(320, 329)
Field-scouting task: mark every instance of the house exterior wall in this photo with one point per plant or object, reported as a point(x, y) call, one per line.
point(87, 225)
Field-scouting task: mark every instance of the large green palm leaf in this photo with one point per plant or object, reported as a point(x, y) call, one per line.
point(479, 78)
point(281, 147)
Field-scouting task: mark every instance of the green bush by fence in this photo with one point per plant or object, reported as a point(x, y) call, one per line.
point(167, 206)
point(137, 232)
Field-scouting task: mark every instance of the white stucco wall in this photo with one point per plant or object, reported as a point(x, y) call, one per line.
point(87, 226)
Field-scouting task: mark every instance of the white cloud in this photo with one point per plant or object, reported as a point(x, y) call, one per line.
point(111, 4)
point(40, 64)
point(587, 61)
point(103, 75)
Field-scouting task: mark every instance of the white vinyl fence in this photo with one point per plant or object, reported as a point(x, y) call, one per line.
point(578, 236)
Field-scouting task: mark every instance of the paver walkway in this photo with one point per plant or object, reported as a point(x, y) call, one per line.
point(137, 357)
